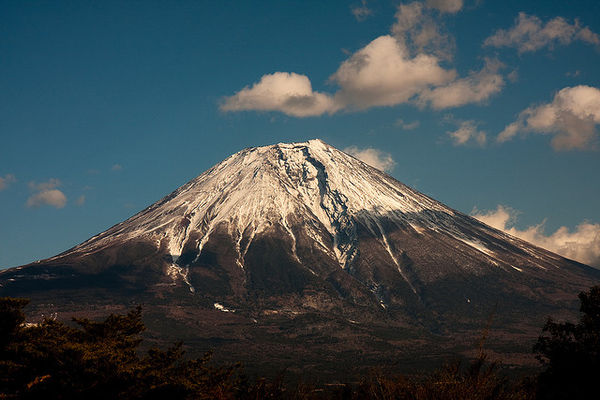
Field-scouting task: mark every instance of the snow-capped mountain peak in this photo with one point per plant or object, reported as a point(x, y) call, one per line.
point(316, 209)
point(256, 187)
point(277, 244)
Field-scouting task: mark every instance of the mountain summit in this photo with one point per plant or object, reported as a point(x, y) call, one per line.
point(303, 229)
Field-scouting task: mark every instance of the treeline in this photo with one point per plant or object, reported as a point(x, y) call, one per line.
point(102, 360)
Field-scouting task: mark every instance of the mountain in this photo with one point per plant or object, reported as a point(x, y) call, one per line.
point(302, 252)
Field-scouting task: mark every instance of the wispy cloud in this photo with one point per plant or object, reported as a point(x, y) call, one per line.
point(407, 126)
point(375, 158)
point(6, 180)
point(570, 119)
point(46, 193)
point(40, 187)
point(529, 34)
point(116, 167)
point(80, 200)
point(447, 6)
point(467, 133)
point(477, 87)
point(418, 26)
point(582, 244)
point(362, 11)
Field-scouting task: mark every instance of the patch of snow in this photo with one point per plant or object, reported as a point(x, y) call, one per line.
point(417, 228)
point(287, 228)
point(389, 250)
point(220, 307)
point(478, 246)
point(175, 272)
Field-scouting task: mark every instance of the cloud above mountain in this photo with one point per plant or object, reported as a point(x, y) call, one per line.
point(529, 34)
point(582, 244)
point(384, 74)
point(570, 119)
point(289, 93)
point(419, 26)
point(468, 133)
point(46, 193)
point(375, 158)
point(405, 66)
point(476, 87)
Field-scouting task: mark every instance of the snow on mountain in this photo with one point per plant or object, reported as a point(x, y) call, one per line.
point(331, 192)
point(288, 243)
point(256, 187)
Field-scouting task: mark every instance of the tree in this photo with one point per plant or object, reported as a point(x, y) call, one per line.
point(100, 360)
point(12, 317)
point(571, 353)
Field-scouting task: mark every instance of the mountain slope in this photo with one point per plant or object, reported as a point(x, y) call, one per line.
point(290, 230)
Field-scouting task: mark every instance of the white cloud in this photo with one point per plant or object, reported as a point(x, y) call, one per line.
point(116, 167)
point(582, 244)
point(477, 87)
point(289, 93)
point(46, 193)
point(383, 74)
point(530, 34)
point(361, 12)
point(375, 158)
point(6, 180)
point(467, 132)
point(52, 197)
point(501, 218)
point(571, 119)
point(403, 67)
point(80, 200)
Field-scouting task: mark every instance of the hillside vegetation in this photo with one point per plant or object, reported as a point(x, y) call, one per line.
point(103, 360)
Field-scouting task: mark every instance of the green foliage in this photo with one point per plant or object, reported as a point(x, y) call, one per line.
point(571, 353)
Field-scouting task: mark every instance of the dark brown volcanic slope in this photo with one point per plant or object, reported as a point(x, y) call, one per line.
point(301, 254)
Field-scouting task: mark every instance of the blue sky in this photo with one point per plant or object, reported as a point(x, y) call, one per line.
point(490, 107)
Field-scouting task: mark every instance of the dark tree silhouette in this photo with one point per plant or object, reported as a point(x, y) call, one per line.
point(571, 353)
point(100, 360)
